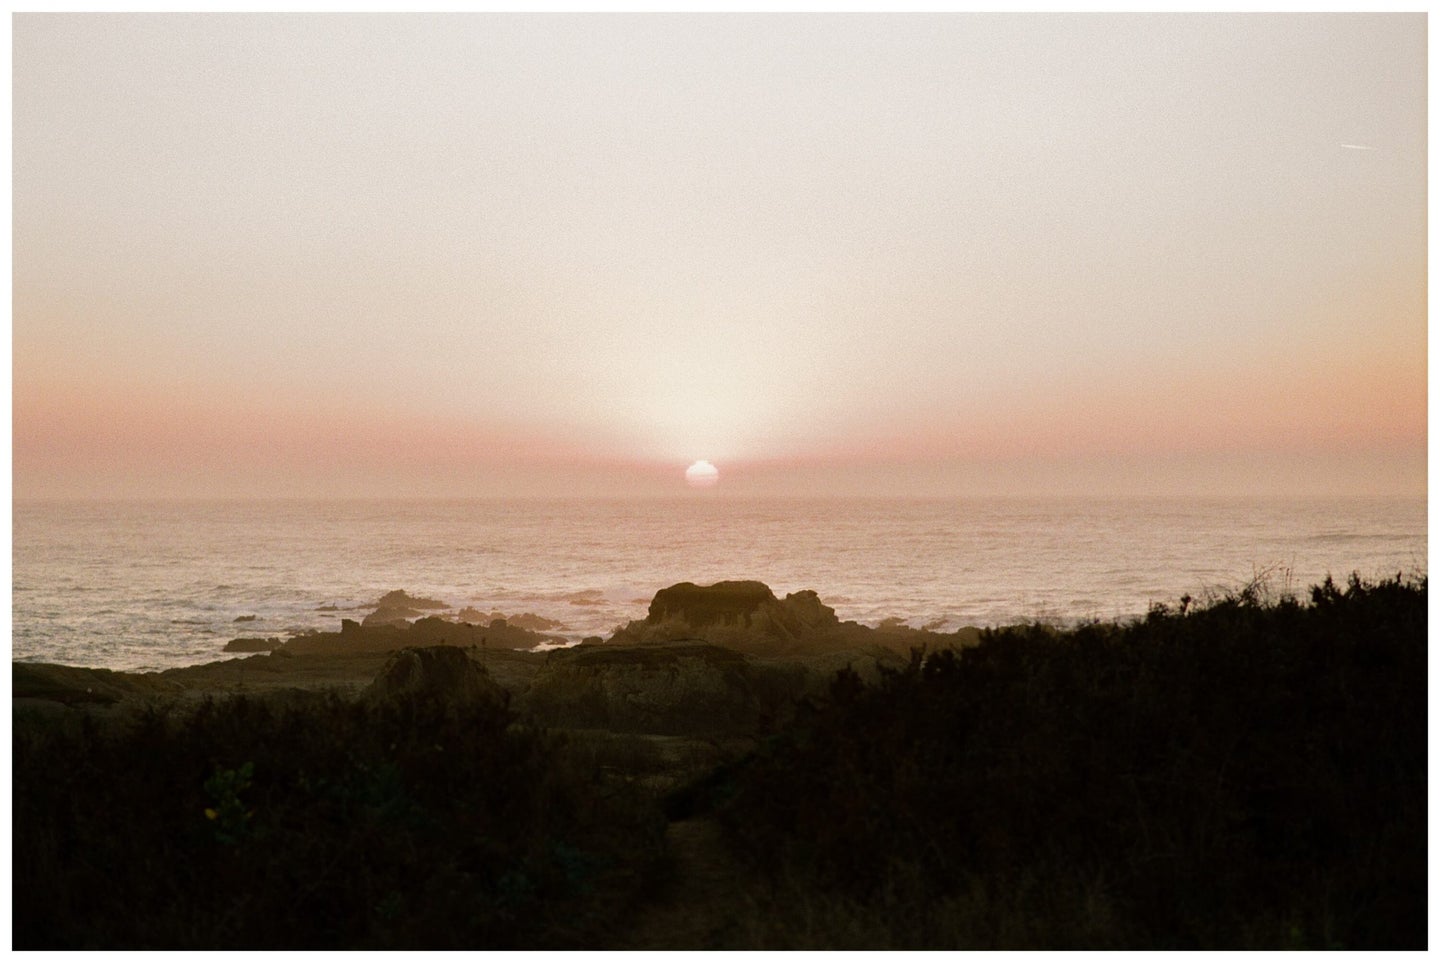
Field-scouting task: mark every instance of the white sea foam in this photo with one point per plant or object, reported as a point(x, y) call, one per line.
point(130, 585)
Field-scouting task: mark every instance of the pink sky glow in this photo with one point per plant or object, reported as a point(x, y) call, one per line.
point(276, 255)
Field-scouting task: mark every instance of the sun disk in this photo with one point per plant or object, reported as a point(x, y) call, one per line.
point(702, 474)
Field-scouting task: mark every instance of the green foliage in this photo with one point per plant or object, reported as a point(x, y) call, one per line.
point(226, 810)
point(319, 824)
point(1251, 773)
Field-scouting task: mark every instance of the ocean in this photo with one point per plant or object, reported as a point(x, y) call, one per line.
point(152, 585)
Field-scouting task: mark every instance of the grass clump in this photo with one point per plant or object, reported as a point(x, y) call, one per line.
point(1251, 773)
point(321, 823)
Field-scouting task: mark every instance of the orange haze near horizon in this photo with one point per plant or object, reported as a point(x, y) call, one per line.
point(488, 255)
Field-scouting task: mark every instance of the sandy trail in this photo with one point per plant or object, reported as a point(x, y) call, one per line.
point(702, 903)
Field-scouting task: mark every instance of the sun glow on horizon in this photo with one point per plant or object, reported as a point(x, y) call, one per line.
point(881, 299)
point(702, 474)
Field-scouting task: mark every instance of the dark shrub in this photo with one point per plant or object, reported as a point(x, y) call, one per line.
point(325, 824)
point(1248, 774)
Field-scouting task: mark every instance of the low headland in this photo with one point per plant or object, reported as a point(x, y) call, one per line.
point(739, 770)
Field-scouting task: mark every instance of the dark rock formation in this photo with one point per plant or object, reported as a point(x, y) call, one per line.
point(252, 645)
point(741, 615)
point(730, 612)
point(399, 607)
point(442, 673)
point(746, 616)
point(904, 637)
point(535, 623)
point(390, 615)
point(399, 599)
point(498, 634)
point(724, 603)
point(526, 620)
point(355, 637)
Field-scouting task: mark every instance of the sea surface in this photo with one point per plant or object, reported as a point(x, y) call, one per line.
point(131, 585)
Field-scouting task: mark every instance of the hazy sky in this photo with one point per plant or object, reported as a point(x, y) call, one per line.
point(481, 254)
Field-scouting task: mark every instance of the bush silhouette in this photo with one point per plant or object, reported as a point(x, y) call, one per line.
point(327, 823)
point(1244, 772)
point(1250, 773)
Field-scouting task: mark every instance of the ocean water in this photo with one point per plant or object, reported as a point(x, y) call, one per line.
point(128, 585)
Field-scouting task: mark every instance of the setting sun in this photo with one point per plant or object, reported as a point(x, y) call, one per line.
point(702, 474)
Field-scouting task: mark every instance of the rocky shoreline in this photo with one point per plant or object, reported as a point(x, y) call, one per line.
point(706, 660)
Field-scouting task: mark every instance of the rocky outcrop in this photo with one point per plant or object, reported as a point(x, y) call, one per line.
point(751, 606)
point(724, 603)
point(525, 620)
point(441, 674)
point(400, 599)
point(904, 638)
point(743, 615)
point(253, 645)
point(399, 607)
point(399, 615)
point(677, 689)
point(533, 622)
point(499, 634)
point(747, 616)
point(355, 637)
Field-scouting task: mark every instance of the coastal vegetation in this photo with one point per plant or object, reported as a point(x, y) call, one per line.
point(1251, 774)
point(319, 822)
point(1249, 771)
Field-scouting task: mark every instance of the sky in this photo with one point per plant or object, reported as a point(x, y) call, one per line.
point(469, 255)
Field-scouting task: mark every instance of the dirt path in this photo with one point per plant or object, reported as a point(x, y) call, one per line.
point(702, 902)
